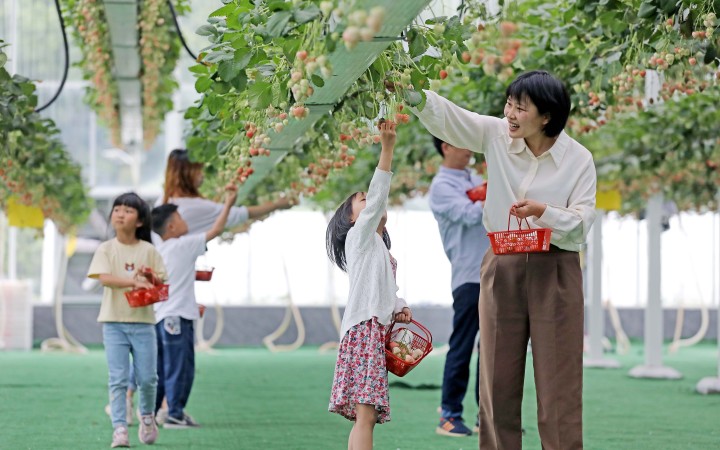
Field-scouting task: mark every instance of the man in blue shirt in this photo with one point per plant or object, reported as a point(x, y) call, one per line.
point(465, 242)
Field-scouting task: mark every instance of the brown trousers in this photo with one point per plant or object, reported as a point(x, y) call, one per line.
point(537, 296)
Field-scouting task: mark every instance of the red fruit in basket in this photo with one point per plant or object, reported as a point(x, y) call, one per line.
point(393, 344)
point(478, 193)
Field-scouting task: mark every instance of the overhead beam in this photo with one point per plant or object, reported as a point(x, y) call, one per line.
point(122, 17)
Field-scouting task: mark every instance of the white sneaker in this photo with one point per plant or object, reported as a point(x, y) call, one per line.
point(148, 431)
point(120, 438)
point(186, 422)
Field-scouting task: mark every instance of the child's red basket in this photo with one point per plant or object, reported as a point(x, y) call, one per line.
point(204, 275)
point(138, 298)
point(531, 240)
point(412, 341)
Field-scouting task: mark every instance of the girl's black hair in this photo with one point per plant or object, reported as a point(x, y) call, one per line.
point(133, 200)
point(337, 231)
point(547, 93)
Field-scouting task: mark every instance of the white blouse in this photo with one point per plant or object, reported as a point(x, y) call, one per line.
point(373, 291)
point(201, 213)
point(563, 177)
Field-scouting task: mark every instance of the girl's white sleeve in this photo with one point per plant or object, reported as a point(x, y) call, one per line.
point(400, 303)
point(455, 125)
point(375, 204)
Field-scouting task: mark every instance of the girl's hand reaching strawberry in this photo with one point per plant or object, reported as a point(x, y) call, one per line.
point(387, 139)
point(387, 133)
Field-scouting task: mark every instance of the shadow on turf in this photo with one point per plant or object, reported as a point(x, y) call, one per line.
point(417, 387)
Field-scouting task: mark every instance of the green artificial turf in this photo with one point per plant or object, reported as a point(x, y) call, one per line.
point(253, 399)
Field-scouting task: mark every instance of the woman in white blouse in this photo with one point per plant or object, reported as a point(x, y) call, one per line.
point(183, 179)
point(537, 172)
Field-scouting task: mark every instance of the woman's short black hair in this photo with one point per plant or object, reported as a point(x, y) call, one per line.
point(133, 200)
point(337, 231)
point(547, 93)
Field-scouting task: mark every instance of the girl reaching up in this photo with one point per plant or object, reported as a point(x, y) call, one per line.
point(359, 244)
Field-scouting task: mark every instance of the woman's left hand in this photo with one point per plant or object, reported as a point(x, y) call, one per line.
point(404, 316)
point(527, 208)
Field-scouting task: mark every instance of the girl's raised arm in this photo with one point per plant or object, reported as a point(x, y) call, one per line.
point(376, 201)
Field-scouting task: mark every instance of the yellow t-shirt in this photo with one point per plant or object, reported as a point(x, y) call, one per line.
point(121, 260)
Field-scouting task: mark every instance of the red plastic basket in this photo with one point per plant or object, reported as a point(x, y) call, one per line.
point(532, 240)
point(412, 341)
point(138, 298)
point(204, 275)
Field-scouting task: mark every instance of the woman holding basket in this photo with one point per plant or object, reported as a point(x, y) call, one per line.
point(535, 172)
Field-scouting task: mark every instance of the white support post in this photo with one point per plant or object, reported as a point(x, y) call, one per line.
point(653, 367)
point(174, 120)
point(12, 253)
point(50, 262)
point(596, 323)
point(711, 385)
point(13, 52)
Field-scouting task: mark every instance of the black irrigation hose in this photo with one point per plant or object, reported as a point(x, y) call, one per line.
point(177, 27)
point(67, 59)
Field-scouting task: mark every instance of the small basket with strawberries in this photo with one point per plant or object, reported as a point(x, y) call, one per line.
point(138, 298)
point(404, 349)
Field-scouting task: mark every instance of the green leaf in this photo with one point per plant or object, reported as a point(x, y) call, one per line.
point(240, 82)
point(418, 79)
point(412, 98)
point(290, 47)
point(202, 84)
point(201, 69)
point(275, 26)
point(710, 54)
point(230, 69)
point(214, 103)
point(221, 87)
point(206, 30)
point(669, 7)
point(306, 15)
point(647, 10)
point(3, 59)
point(317, 80)
point(192, 112)
point(417, 43)
point(260, 95)
point(224, 11)
point(330, 44)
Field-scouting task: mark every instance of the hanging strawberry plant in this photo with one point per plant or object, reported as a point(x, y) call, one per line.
point(35, 168)
point(672, 149)
point(160, 49)
point(92, 35)
point(266, 60)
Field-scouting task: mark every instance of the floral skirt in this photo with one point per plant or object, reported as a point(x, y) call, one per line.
point(360, 372)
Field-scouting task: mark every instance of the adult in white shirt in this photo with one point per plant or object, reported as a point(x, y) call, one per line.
point(183, 179)
point(536, 172)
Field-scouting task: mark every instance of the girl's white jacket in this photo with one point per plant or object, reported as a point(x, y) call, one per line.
point(373, 291)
